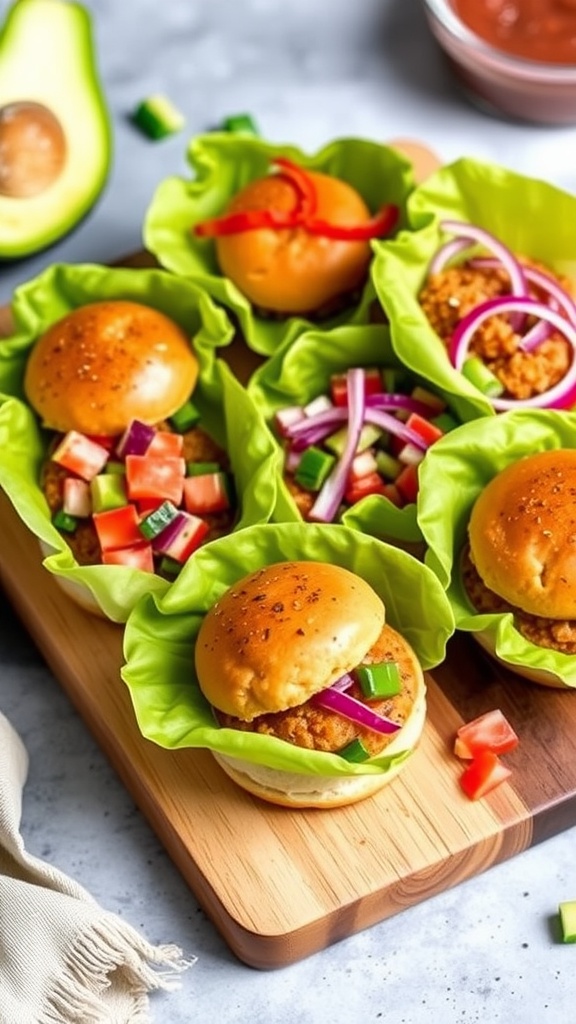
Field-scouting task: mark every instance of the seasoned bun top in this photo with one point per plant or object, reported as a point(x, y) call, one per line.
point(288, 270)
point(107, 363)
point(522, 534)
point(283, 633)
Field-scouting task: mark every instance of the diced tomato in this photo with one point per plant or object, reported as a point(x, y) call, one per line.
point(104, 440)
point(76, 500)
point(151, 476)
point(339, 390)
point(407, 483)
point(287, 417)
point(363, 463)
point(146, 505)
point(137, 556)
point(483, 774)
point(372, 483)
point(429, 432)
point(182, 537)
point(117, 528)
point(80, 455)
point(166, 443)
point(206, 493)
point(393, 494)
point(490, 731)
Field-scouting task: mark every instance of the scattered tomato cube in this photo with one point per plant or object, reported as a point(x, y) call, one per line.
point(407, 483)
point(117, 528)
point(151, 476)
point(372, 483)
point(206, 493)
point(166, 443)
point(76, 500)
point(80, 455)
point(490, 731)
point(424, 428)
point(483, 774)
point(136, 556)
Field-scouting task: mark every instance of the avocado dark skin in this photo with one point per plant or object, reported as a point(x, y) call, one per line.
point(55, 130)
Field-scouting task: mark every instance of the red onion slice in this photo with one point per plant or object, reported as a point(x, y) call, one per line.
point(331, 493)
point(507, 258)
point(333, 699)
point(447, 252)
point(460, 343)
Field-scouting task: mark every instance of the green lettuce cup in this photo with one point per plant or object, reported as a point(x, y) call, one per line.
point(223, 163)
point(161, 632)
point(301, 373)
point(532, 218)
point(226, 411)
point(455, 472)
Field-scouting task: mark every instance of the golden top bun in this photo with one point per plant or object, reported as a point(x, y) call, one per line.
point(522, 534)
point(283, 633)
point(289, 270)
point(107, 363)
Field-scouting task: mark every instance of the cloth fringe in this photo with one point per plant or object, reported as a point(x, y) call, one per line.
point(109, 955)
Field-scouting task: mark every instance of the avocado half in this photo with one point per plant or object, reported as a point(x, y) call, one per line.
point(55, 130)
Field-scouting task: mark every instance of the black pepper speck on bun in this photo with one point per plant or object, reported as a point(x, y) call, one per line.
point(107, 363)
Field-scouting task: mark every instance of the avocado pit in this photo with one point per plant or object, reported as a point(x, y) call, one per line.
point(32, 149)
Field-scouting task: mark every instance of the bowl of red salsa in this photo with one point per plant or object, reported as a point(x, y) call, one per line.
point(514, 58)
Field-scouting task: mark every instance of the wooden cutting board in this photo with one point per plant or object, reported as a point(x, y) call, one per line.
point(280, 885)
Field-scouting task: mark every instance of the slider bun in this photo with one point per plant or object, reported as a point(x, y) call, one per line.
point(283, 633)
point(107, 363)
point(288, 270)
point(289, 789)
point(522, 534)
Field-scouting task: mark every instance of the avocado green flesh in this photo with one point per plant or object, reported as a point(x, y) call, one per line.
point(47, 57)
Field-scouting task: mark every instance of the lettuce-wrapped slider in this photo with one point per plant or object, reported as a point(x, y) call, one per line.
point(130, 461)
point(296, 655)
point(497, 513)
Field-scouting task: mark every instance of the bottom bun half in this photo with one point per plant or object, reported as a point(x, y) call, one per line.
point(291, 789)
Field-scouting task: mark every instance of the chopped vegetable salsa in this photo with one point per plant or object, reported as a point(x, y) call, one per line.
point(366, 436)
point(147, 499)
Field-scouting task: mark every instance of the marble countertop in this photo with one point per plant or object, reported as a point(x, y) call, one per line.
point(308, 72)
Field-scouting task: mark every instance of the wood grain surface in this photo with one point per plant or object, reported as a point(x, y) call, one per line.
point(279, 885)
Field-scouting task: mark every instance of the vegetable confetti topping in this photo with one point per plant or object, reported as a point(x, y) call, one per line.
point(365, 437)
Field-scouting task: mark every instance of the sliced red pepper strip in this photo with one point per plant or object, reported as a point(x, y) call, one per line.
point(247, 220)
point(303, 184)
point(378, 225)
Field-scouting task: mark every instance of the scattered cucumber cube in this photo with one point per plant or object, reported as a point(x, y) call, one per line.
point(240, 124)
point(568, 920)
point(157, 117)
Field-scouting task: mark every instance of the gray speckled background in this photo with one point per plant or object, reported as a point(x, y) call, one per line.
point(487, 951)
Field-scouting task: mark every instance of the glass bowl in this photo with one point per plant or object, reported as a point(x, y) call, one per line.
point(510, 86)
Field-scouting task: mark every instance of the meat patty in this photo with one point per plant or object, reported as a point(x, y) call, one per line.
point(315, 728)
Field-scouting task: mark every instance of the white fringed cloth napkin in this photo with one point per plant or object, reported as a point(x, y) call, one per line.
point(63, 959)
